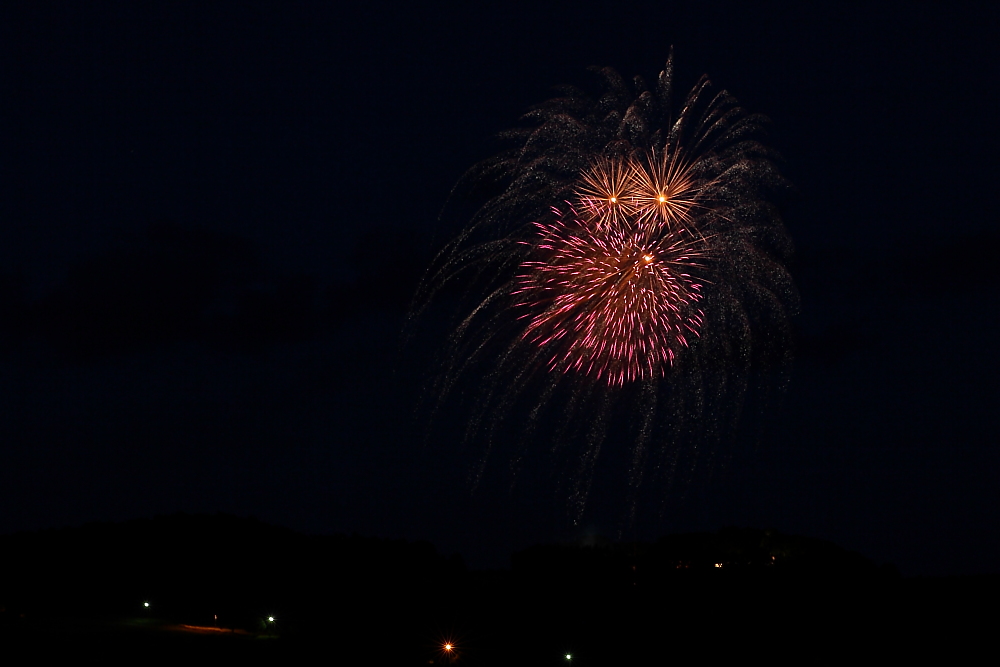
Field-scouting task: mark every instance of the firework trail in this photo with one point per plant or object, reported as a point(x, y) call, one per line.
point(619, 282)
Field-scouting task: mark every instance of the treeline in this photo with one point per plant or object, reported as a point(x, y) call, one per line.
point(178, 284)
point(704, 596)
point(198, 567)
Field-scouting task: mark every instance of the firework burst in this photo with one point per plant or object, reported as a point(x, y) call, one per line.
point(623, 273)
point(665, 192)
point(612, 292)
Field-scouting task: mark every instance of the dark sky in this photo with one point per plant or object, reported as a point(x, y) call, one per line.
point(212, 217)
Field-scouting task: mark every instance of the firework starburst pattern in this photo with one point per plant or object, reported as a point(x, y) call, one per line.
point(619, 278)
point(613, 292)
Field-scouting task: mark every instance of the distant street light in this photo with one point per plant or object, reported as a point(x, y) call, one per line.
point(146, 605)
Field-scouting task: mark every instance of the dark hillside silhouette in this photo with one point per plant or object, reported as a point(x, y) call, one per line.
point(711, 595)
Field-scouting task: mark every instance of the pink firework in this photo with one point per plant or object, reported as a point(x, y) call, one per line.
point(621, 282)
point(612, 292)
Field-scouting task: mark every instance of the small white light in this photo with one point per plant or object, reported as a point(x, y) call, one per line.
point(145, 604)
point(270, 619)
point(569, 656)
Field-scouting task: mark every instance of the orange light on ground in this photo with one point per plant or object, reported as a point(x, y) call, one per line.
point(206, 630)
point(448, 648)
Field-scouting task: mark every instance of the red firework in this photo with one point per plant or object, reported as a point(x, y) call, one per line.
point(612, 293)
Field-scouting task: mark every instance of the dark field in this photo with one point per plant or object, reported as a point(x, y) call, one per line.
point(213, 583)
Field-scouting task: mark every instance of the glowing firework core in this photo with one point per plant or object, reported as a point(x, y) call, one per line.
point(612, 292)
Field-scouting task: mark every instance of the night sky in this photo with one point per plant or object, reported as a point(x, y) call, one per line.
point(213, 217)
